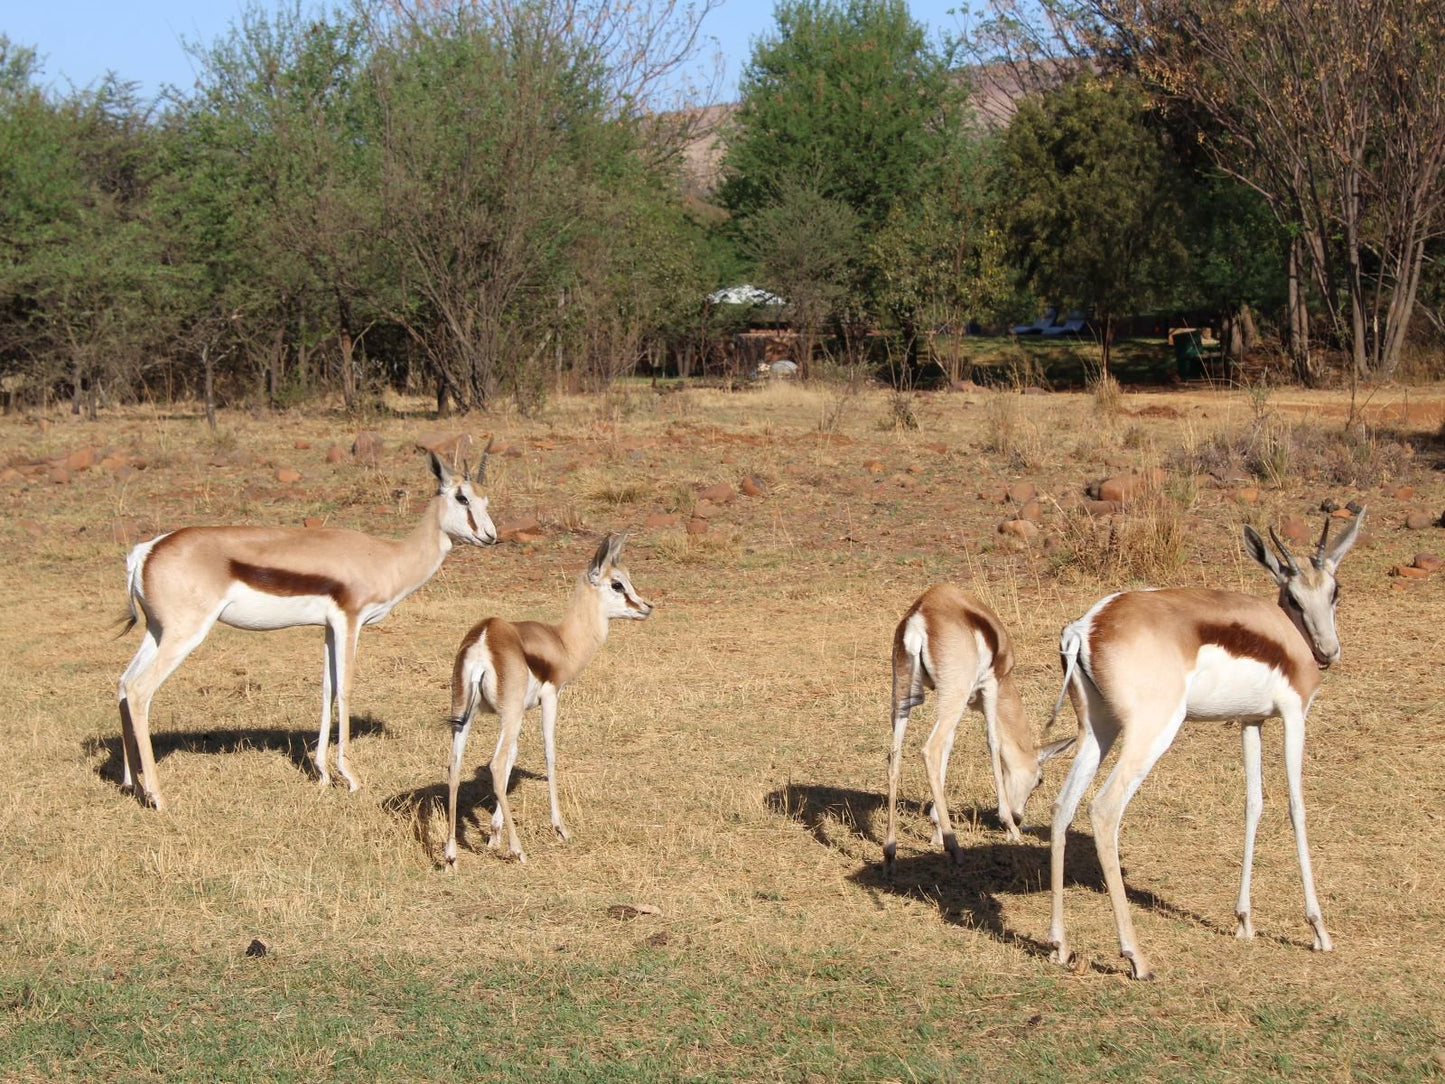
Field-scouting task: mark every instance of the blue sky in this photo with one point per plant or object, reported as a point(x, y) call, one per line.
point(79, 40)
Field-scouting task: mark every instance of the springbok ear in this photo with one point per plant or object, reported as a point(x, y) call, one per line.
point(1256, 548)
point(599, 560)
point(614, 546)
point(1330, 560)
point(438, 468)
point(1054, 748)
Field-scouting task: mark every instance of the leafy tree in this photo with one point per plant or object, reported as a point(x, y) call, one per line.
point(1090, 195)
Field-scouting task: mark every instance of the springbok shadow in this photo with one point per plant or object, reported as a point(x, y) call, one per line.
point(295, 744)
point(475, 803)
point(967, 893)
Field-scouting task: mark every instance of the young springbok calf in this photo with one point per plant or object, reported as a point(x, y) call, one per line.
point(264, 578)
point(508, 668)
point(1139, 663)
point(952, 642)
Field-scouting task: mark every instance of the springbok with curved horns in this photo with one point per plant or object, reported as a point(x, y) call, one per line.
point(263, 578)
point(1138, 664)
point(508, 668)
point(952, 642)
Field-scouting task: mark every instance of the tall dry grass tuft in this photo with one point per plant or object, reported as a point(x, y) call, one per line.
point(1010, 432)
point(1107, 394)
point(1146, 543)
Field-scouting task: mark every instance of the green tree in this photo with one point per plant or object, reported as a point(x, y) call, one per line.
point(1090, 191)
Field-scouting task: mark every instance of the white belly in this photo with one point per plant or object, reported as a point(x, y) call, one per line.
point(246, 608)
point(1223, 686)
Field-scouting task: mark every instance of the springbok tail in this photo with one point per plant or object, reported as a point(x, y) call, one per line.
point(907, 677)
point(1071, 642)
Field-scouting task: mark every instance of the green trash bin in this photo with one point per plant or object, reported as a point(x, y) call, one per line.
point(1189, 354)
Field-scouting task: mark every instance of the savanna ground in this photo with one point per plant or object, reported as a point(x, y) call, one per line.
point(723, 763)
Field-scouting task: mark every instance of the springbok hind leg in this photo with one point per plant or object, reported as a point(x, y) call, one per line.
point(936, 751)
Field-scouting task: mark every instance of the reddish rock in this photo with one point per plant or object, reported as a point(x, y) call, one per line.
point(286, 476)
point(873, 466)
point(696, 526)
point(334, 454)
point(1429, 562)
point(511, 451)
point(313, 521)
point(9, 474)
point(1032, 511)
point(1418, 520)
point(367, 447)
point(1019, 528)
point(1247, 495)
point(994, 494)
point(1342, 513)
point(704, 510)
point(1409, 572)
point(1293, 529)
point(32, 528)
point(721, 493)
point(80, 459)
point(1053, 544)
point(938, 449)
point(1022, 492)
point(58, 475)
point(752, 487)
point(1125, 487)
point(1404, 493)
point(512, 530)
point(301, 444)
point(1101, 508)
point(114, 461)
point(662, 519)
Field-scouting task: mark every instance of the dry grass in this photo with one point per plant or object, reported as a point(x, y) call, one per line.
point(722, 762)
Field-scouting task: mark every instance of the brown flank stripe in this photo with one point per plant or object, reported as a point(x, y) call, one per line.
point(280, 581)
point(1246, 643)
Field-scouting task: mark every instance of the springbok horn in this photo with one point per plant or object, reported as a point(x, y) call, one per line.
point(1320, 550)
point(1284, 552)
point(482, 466)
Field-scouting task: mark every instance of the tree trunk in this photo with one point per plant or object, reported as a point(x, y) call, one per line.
point(348, 349)
point(1299, 318)
point(1106, 344)
point(210, 386)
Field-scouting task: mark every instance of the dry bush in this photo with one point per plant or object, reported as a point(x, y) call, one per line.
point(1275, 452)
point(1108, 395)
point(1010, 432)
point(1146, 543)
point(901, 412)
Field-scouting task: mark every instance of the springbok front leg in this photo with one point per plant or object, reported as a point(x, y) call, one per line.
point(1253, 807)
point(1294, 750)
point(347, 638)
point(329, 681)
point(549, 748)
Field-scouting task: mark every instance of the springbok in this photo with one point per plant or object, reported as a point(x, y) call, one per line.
point(952, 642)
point(263, 578)
point(510, 668)
point(1139, 663)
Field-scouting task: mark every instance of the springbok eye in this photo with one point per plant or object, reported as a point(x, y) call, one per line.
point(617, 586)
point(462, 499)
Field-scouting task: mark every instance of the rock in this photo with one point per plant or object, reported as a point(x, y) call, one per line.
point(1429, 562)
point(696, 526)
point(58, 475)
point(9, 474)
point(367, 447)
point(80, 459)
point(1409, 572)
point(286, 476)
point(334, 454)
point(1404, 493)
point(1053, 544)
point(257, 948)
point(1032, 511)
point(313, 521)
point(1354, 507)
point(1342, 513)
point(445, 445)
point(1101, 508)
point(1125, 487)
point(514, 528)
point(32, 528)
point(994, 494)
point(1022, 492)
point(513, 451)
point(1019, 528)
point(660, 520)
point(301, 444)
point(873, 466)
point(1294, 529)
point(914, 468)
point(1329, 504)
point(1247, 495)
point(704, 510)
point(722, 493)
point(1418, 520)
point(752, 487)
point(115, 461)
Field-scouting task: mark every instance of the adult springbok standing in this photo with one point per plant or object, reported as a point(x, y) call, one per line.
point(952, 642)
point(510, 668)
point(1139, 663)
point(264, 578)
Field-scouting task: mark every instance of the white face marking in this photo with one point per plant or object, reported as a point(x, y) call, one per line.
point(464, 514)
point(619, 600)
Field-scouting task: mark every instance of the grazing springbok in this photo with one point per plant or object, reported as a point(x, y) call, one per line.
point(508, 668)
point(265, 578)
point(952, 642)
point(1139, 663)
